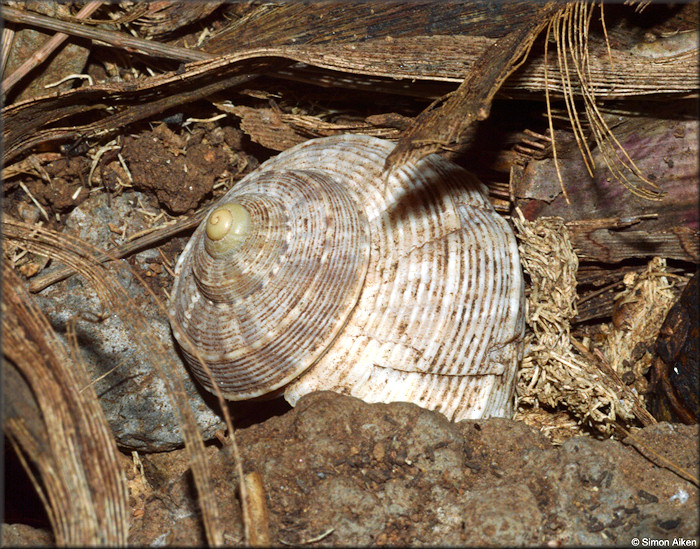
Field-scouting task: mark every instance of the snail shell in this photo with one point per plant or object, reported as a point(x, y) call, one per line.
point(307, 277)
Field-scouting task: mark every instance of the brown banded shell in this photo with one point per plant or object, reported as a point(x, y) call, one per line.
point(332, 285)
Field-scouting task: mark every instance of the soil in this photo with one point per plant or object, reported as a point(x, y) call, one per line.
point(64, 187)
point(340, 472)
point(179, 168)
point(180, 173)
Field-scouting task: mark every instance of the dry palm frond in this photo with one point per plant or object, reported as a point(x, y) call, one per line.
point(116, 39)
point(85, 260)
point(570, 30)
point(53, 419)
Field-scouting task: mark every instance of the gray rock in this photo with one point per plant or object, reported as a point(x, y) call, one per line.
point(132, 393)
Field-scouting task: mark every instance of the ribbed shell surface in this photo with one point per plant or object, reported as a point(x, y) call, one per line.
point(424, 302)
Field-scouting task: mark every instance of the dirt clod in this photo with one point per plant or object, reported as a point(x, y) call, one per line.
point(66, 184)
point(158, 165)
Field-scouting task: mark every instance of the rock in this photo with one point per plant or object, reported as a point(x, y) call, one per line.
point(398, 474)
point(68, 59)
point(22, 535)
point(131, 392)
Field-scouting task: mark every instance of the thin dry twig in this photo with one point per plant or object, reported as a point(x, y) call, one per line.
point(161, 233)
point(8, 36)
point(43, 53)
point(656, 458)
point(255, 509)
point(113, 38)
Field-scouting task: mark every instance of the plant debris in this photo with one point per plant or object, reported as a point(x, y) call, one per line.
point(554, 372)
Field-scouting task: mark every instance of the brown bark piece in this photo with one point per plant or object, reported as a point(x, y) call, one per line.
point(611, 246)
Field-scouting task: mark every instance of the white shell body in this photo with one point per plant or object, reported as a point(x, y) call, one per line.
point(415, 297)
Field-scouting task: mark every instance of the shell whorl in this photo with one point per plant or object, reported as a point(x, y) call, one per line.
point(416, 297)
point(260, 311)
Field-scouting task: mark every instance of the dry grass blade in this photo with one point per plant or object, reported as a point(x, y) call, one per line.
point(60, 429)
point(550, 119)
point(248, 505)
point(570, 28)
point(85, 260)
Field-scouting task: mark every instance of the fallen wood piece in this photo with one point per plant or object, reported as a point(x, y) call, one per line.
point(612, 245)
point(607, 222)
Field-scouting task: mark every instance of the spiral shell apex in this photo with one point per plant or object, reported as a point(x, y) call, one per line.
point(307, 277)
point(226, 229)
